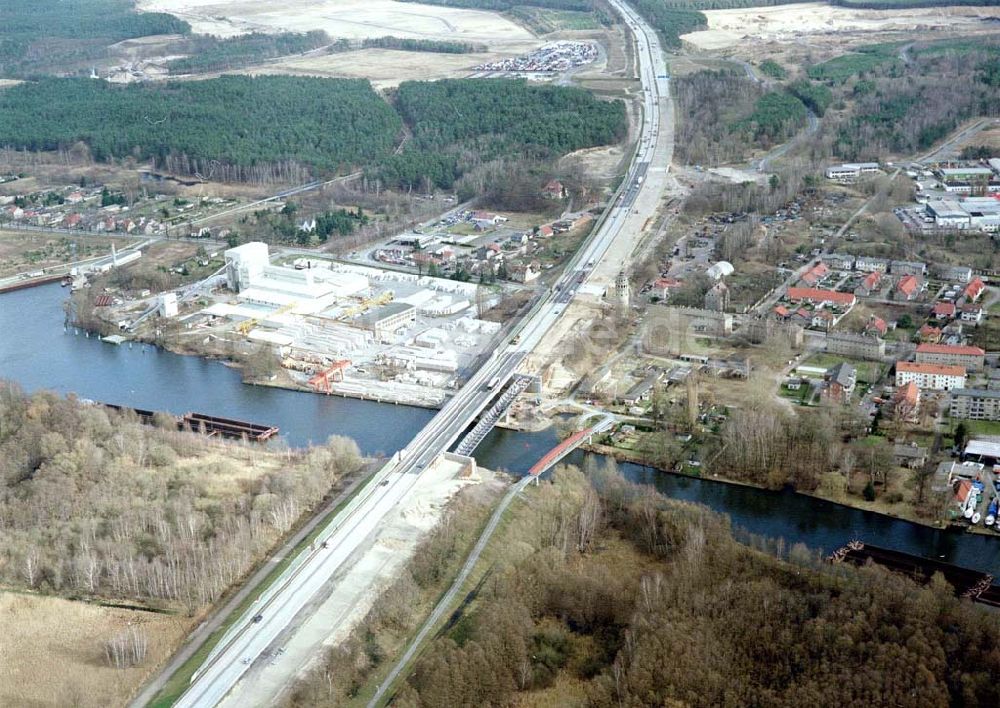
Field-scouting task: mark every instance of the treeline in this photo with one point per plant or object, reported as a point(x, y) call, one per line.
point(95, 503)
point(439, 46)
point(815, 96)
point(231, 128)
point(43, 35)
point(622, 597)
point(846, 66)
point(462, 123)
point(208, 53)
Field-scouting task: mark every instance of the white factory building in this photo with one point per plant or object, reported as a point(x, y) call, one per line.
point(307, 290)
point(850, 171)
point(979, 213)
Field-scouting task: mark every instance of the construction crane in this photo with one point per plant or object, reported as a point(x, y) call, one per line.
point(367, 304)
point(335, 372)
point(245, 326)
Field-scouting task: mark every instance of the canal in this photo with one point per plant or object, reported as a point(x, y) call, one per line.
point(36, 352)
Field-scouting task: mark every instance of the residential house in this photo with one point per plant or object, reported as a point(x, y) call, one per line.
point(908, 287)
point(823, 320)
point(907, 268)
point(943, 310)
point(524, 272)
point(974, 290)
point(906, 401)
point(869, 264)
point(856, 346)
point(975, 404)
point(909, 455)
point(876, 326)
point(71, 221)
point(869, 284)
point(554, 189)
point(661, 287)
point(929, 334)
point(971, 358)
point(839, 383)
point(956, 274)
point(545, 231)
point(840, 261)
point(815, 274)
point(820, 297)
point(972, 314)
point(937, 377)
point(717, 297)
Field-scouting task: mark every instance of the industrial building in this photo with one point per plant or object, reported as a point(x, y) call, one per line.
point(979, 213)
point(387, 320)
point(851, 171)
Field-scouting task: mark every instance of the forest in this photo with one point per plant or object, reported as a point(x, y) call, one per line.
point(776, 117)
point(41, 35)
point(670, 22)
point(95, 503)
point(459, 124)
point(504, 5)
point(604, 593)
point(904, 108)
point(209, 53)
point(233, 127)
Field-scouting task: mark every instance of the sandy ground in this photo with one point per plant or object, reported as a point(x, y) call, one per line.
point(353, 19)
point(791, 23)
point(52, 651)
point(353, 591)
point(386, 67)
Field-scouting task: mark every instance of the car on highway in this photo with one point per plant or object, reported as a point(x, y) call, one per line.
point(257, 618)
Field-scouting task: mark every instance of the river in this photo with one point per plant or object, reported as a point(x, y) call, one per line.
point(38, 353)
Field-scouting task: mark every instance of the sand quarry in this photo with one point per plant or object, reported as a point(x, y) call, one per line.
point(819, 22)
point(359, 19)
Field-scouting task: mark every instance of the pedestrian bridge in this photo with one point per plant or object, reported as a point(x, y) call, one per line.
point(553, 456)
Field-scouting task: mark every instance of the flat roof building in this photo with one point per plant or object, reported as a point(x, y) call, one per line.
point(975, 404)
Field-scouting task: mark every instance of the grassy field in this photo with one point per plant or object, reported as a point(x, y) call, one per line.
point(52, 651)
point(841, 68)
point(543, 20)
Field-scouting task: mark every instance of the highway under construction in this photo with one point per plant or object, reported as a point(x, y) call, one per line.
point(275, 613)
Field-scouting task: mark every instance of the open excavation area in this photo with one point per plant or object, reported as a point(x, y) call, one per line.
point(819, 24)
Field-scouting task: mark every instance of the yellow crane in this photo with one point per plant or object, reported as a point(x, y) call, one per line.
point(367, 304)
point(245, 326)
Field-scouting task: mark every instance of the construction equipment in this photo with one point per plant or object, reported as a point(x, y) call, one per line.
point(335, 372)
point(245, 326)
point(367, 304)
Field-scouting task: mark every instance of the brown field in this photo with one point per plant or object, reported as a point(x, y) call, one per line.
point(29, 250)
point(819, 24)
point(52, 653)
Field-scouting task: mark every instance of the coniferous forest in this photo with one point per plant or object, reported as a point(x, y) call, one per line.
point(237, 127)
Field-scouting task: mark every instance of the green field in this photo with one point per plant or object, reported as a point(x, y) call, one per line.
point(842, 68)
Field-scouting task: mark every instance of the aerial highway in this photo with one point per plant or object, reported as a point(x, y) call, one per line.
point(276, 609)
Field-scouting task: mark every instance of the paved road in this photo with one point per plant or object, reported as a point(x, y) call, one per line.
point(277, 609)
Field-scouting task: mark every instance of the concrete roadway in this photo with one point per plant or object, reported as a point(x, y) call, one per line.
point(278, 607)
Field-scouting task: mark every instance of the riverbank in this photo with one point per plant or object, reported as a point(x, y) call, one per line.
point(908, 515)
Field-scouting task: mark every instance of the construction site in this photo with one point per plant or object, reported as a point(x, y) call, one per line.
point(335, 328)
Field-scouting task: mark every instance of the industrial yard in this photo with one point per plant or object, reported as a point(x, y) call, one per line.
point(332, 327)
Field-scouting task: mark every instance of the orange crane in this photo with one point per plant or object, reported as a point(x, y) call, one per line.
point(335, 372)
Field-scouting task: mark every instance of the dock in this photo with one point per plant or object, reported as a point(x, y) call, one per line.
point(227, 427)
point(210, 425)
point(9, 286)
point(972, 584)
